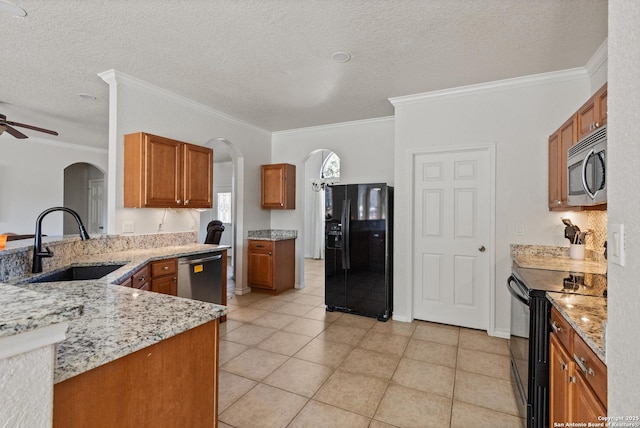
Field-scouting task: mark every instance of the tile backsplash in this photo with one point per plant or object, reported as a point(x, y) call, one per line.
point(597, 222)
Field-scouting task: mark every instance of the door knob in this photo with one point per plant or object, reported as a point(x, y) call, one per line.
point(482, 249)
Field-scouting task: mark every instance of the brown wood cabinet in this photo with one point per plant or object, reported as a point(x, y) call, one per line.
point(590, 116)
point(163, 173)
point(272, 265)
point(577, 377)
point(593, 113)
point(278, 186)
point(559, 143)
point(164, 276)
point(171, 383)
point(140, 279)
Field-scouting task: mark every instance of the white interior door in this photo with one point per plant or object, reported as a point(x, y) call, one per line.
point(96, 206)
point(452, 238)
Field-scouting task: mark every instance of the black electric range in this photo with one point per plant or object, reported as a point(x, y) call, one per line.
point(529, 341)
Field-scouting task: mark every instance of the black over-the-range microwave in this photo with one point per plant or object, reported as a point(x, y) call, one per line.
point(587, 169)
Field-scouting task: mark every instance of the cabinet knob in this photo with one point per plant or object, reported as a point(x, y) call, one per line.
point(142, 278)
point(186, 202)
point(166, 268)
point(179, 201)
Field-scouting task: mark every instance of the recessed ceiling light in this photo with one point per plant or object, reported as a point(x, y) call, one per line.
point(87, 96)
point(12, 9)
point(341, 56)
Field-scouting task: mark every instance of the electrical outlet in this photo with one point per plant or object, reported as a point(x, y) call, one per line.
point(128, 226)
point(520, 229)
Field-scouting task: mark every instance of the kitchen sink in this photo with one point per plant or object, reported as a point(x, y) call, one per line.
point(75, 273)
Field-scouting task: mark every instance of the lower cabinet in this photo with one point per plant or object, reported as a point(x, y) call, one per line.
point(271, 265)
point(173, 383)
point(160, 276)
point(578, 378)
point(164, 276)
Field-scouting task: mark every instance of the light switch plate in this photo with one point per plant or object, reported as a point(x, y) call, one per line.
point(615, 244)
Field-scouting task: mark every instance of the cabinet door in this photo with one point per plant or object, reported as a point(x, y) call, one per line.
point(593, 113)
point(163, 172)
point(601, 106)
point(165, 285)
point(140, 279)
point(261, 268)
point(559, 391)
point(198, 176)
point(278, 186)
point(559, 143)
point(555, 200)
point(585, 406)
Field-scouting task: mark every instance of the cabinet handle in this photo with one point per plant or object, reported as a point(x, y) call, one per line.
point(563, 367)
point(555, 327)
point(581, 362)
point(142, 278)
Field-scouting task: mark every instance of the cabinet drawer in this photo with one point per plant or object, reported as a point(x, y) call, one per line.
point(563, 330)
point(164, 267)
point(593, 369)
point(260, 245)
point(140, 278)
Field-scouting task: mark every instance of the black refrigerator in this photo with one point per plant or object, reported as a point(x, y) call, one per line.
point(359, 249)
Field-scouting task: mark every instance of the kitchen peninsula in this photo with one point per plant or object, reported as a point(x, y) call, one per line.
point(133, 357)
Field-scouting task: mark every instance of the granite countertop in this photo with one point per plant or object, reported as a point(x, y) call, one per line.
point(585, 314)
point(116, 321)
point(272, 235)
point(25, 310)
point(554, 258)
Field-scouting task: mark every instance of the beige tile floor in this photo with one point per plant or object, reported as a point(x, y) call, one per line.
point(286, 362)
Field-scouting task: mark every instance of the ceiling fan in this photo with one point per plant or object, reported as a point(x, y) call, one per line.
point(7, 125)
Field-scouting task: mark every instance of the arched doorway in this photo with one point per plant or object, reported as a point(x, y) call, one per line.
point(322, 167)
point(84, 192)
point(228, 182)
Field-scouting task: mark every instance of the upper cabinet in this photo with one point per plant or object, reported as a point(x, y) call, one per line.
point(164, 173)
point(593, 114)
point(589, 117)
point(559, 143)
point(278, 186)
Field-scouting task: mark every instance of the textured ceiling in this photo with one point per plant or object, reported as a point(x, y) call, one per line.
point(268, 62)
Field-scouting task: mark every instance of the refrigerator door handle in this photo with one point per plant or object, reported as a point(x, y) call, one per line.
point(346, 238)
point(343, 256)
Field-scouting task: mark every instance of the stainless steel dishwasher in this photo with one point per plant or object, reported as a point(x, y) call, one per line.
point(200, 277)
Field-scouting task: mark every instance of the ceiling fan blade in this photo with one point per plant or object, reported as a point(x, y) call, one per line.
point(35, 128)
point(14, 131)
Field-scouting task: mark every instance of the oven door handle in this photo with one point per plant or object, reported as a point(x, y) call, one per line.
point(513, 292)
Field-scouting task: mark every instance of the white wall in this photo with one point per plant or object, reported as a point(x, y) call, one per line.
point(518, 115)
point(311, 171)
point(623, 345)
point(32, 180)
point(138, 106)
point(365, 149)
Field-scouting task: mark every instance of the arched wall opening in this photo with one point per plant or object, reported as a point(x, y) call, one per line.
point(85, 193)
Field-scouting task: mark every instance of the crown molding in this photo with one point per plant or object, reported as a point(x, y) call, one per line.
point(598, 58)
point(114, 77)
point(498, 85)
point(336, 125)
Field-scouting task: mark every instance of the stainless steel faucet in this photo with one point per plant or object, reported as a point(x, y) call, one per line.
point(38, 254)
